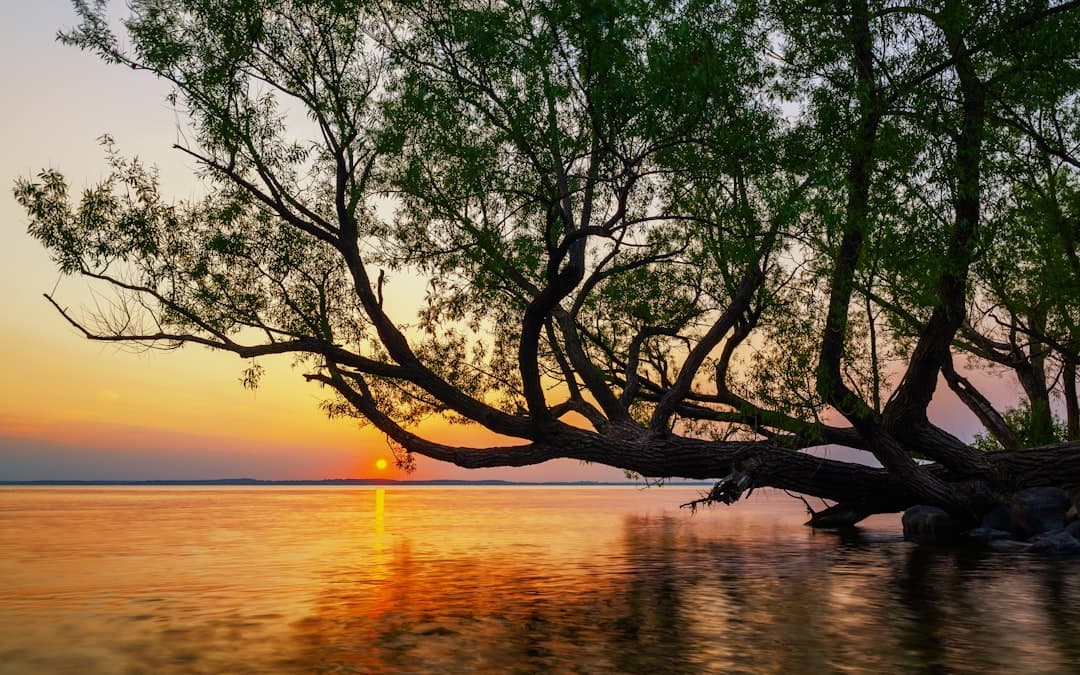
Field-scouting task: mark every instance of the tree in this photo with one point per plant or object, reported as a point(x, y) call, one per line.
point(682, 239)
point(1027, 321)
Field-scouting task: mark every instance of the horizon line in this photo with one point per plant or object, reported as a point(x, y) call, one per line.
point(340, 481)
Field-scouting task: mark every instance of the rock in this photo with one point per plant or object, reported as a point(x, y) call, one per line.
point(985, 534)
point(1008, 546)
point(1074, 529)
point(997, 518)
point(1057, 542)
point(836, 517)
point(1038, 510)
point(927, 524)
point(1074, 511)
point(431, 628)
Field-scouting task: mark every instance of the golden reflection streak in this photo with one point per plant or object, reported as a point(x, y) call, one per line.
point(380, 513)
point(378, 571)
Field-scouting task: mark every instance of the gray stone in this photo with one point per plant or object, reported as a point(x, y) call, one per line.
point(1038, 510)
point(927, 524)
point(987, 534)
point(1074, 509)
point(1057, 542)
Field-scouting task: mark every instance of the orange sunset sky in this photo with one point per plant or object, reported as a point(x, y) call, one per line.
point(72, 409)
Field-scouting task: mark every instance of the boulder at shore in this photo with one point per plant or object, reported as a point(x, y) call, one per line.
point(1032, 520)
point(1037, 510)
point(927, 524)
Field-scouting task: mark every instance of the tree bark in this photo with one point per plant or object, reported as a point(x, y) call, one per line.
point(1072, 407)
point(1033, 379)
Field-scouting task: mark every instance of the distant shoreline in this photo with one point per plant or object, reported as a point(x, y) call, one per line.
point(376, 482)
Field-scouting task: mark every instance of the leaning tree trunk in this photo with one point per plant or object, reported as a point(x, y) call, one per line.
point(858, 490)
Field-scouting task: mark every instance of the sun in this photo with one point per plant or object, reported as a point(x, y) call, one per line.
point(381, 464)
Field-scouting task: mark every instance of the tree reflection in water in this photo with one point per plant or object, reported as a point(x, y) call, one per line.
point(676, 600)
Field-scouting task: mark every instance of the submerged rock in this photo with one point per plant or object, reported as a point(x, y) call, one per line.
point(1008, 546)
point(985, 534)
point(927, 524)
point(1038, 510)
point(1057, 542)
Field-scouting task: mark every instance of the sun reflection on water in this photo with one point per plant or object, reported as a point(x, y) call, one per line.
point(378, 540)
point(380, 513)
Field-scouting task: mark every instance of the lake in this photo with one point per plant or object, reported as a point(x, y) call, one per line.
point(502, 580)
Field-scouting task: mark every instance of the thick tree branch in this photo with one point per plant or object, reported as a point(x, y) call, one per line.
point(975, 401)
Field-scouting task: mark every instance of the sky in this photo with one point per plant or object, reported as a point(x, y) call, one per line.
point(73, 409)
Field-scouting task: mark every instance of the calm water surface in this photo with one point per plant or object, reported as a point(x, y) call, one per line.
point(591, 580)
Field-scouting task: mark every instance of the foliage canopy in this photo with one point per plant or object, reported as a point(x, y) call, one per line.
point(679, 238)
